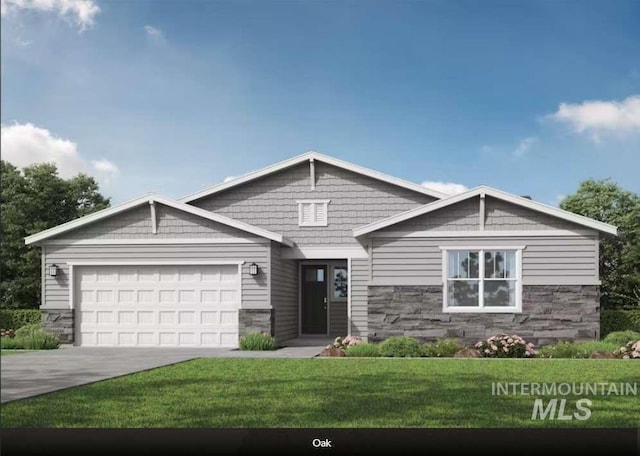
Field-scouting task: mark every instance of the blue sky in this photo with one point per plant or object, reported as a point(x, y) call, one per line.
point(174, 96)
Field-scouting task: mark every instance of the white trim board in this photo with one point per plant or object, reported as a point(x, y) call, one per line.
point(329, 252)
point(87, 219)
point(471, 234)
point(156, 263)
point(153, 241)
point(311, 155)
point(476, 192)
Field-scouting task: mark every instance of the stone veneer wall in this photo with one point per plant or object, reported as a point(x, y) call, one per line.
point(549, 313)
point(60, 322)
point(255, 320)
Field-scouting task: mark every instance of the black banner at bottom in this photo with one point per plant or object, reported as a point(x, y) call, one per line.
point(179, 442)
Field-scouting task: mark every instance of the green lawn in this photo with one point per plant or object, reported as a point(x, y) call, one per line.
point(328, 393)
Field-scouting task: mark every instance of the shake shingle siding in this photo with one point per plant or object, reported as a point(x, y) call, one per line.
point(504, 216)
point(270, 202)
point(171, 223)
point(499, 216)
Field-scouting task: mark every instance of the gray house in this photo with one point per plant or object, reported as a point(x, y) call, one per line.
point(318, 246)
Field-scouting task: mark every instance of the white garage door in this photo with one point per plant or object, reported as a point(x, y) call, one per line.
point(167, 306)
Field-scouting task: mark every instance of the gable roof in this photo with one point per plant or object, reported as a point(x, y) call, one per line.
point(147, 199)
point(306, 157)
point(477, 191)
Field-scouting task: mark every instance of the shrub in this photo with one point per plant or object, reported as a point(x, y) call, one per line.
point(17, 318)
point(576, 349)
point(343, 343)
point(33, 337)
point(505, 346)
point(400, 346)
point(7, 343)
point(562, 349)
point(257, 341)
point(622, 337)
point(363, 350)
point(442, 348)
point(619, 320)
point(28, 330)
point(630, 351)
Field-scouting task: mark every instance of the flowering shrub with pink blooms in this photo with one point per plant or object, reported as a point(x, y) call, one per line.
point(629, 351)
point(505, 346)
point(10, 333)
point(348, 341)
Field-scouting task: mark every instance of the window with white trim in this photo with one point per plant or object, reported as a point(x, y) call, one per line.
point(482, 280)
point(313, 212)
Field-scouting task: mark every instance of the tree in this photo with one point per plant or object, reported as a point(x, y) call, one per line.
point(33, 200)
point(606, 201)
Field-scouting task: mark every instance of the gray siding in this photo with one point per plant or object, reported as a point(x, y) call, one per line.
point(134, 223)
point(270, 202)
point(501, 215)
point(284, 294)
point(462, 216)
point(255, 292)
point(359, 300)
point(171, 223)
point(545, 260)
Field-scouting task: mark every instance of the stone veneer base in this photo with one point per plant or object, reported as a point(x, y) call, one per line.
point(549, 313)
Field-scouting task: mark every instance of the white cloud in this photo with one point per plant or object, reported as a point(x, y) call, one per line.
point(448, 188)
point(229, 178)
point(596, 117)
point(82, 12)
point(524, 146)
point(26, 144)
point(23, 43)
point(153, 33)
point(105, 170)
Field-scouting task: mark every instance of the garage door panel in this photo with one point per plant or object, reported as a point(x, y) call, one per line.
point(158, 305)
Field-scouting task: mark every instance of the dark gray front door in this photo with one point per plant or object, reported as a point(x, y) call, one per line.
point(314, 299)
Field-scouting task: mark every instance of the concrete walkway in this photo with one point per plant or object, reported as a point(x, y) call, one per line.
point(34, 373)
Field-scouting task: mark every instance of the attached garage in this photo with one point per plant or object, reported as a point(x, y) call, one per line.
point(154, 272)
point(157, 305)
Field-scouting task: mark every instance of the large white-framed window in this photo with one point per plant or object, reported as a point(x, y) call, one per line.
point(484, 279)
point(313, 212)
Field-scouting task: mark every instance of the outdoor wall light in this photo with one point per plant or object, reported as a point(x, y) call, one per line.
point(253, 269)
point(53, 270)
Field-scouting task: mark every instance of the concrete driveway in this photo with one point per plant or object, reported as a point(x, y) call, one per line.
point(34, 373)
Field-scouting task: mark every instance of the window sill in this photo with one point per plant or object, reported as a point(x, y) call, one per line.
point(490, 310)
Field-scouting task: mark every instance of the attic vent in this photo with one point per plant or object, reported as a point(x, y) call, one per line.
point(526, 196)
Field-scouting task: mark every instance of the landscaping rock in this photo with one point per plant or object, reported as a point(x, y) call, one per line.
point(468, 353)
point(332, 351)
point(602, 355)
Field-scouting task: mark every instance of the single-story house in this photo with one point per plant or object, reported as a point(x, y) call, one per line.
point(318, 246)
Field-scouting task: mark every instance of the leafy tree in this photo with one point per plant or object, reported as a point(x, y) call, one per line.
point(33, 200)
point(619, 256)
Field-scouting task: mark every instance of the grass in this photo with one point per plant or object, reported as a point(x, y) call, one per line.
point(328, 393)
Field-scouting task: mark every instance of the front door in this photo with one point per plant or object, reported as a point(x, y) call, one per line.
point(314, 299)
